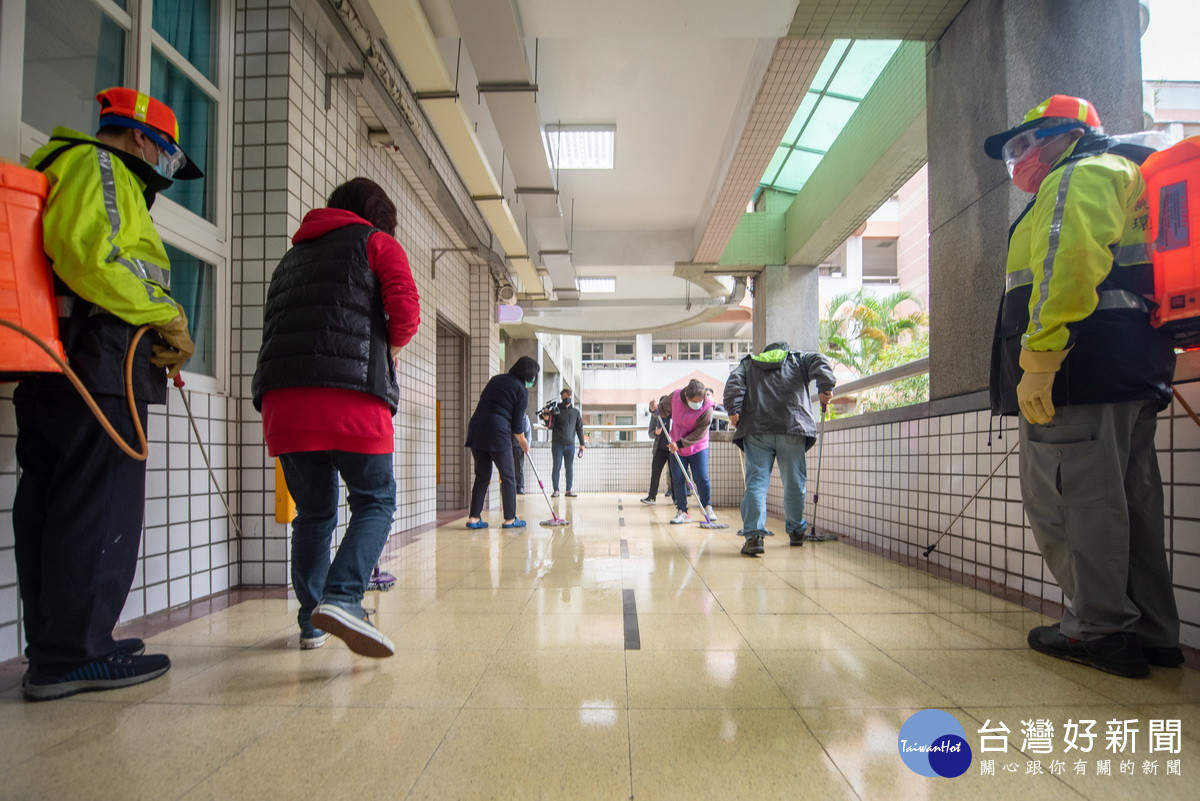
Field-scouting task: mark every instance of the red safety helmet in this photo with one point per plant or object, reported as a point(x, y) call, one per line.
point(1056, 107)
point(129, 108)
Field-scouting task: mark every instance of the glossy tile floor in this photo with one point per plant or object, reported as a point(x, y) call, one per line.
point(785, 676)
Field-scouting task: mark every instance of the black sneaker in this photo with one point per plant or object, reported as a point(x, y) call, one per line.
point(132, 646)
point(572, 494)
point(1120, 654)
point(753, 546)
point(119, 669)
point(648, 500)
point(1163, 657)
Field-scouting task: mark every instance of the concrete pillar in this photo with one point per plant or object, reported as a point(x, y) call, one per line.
point(854, 260)
point(996, 61)
point(787, 306)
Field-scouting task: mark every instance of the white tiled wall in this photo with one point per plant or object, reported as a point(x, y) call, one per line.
point(289, 152)
point(896, 486)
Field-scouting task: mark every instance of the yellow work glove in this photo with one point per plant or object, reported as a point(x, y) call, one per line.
point(1037, 384)
point(179, 347)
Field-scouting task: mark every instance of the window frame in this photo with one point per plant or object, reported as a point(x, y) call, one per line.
point(210, 241)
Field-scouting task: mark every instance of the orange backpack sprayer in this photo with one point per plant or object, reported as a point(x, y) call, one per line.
point(1173, 189)
point(29, 339)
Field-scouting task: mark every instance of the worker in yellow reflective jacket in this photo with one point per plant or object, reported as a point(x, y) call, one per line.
point(77, 514)
point(1075, 354)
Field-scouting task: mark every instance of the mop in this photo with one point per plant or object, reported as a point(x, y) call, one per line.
point(381, 580)
point(812, 535)
point(554, 521)
point(687, 477)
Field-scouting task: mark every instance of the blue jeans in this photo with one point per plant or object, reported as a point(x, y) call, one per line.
point(761, 452)
point(563, 453)
point(312, 478)
point(698, 462)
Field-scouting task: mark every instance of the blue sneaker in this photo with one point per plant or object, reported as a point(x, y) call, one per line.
point(516, 523)
point(118, 669)
point(312, 639)
point(354, 628)
point(477, 524)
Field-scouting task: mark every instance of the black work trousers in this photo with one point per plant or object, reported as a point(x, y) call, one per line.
point(519, 468)
point(661, 455)
point(77, 522)
point(503, 459)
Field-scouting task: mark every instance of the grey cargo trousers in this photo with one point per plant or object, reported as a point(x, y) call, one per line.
point(1094, 498)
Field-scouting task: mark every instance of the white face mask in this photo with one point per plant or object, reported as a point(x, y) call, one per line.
point(695, 404)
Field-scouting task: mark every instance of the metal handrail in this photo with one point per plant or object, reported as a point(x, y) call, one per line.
point(913, 368)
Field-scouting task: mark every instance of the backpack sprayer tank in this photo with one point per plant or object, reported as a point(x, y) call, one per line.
point(26, 281)
point(1173, 189)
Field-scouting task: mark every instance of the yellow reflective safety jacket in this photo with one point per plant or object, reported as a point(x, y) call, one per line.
point(1077, 277)
point(112, 269)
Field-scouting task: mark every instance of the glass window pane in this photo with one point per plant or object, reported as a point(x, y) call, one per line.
point(193, 287)
point(860, 69)
point(190, 27)
point(797, 170)
point(66, 65)
point(801, 116)
point(197, 117)
point(781, 153)
point(831, 60)
point(828, 121)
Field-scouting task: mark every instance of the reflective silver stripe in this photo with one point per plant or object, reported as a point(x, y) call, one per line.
point(152, 272)
point(1018, 278)
point(144, 270)
point(1035, 318)
point(1120, 299)
point(1124, 255)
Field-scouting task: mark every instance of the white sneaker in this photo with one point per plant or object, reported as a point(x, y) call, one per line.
point(682, 517)
point(711, 514)
point(316, 641)
point(554, 494)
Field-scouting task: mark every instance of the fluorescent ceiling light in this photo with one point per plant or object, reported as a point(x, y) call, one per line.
point(596, 284)
point(581, 147)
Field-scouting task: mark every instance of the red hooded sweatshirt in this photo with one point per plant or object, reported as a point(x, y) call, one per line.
point(328, 419)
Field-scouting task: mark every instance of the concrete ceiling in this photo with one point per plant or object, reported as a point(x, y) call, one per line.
point(700, 92)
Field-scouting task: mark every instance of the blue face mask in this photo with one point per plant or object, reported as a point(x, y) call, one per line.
point(695, 404)
point(529, 384)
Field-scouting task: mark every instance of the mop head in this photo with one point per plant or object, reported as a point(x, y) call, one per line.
point(381, 580)
point(555, 522)
point(820, 537)
point(713, 524)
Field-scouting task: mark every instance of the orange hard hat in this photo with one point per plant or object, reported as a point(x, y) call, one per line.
point(1055, 107)
point(129, 108)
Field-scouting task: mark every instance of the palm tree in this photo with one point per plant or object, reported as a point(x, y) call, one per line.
point(859, 327)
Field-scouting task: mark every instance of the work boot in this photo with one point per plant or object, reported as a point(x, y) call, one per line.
point(1163, 657)
point(753, 546)
point(1120, 653)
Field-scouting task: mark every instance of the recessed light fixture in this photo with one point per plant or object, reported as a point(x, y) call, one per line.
point(581, 147)
point(596, 284)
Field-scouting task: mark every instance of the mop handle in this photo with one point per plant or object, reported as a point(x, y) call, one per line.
point(144, 451)
point(687, 477)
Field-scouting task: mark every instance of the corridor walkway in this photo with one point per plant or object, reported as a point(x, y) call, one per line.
point(619, 658)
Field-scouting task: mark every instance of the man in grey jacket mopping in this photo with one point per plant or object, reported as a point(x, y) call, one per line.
point(767, 400)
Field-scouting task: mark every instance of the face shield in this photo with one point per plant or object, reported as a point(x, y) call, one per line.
point(1027, 145)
